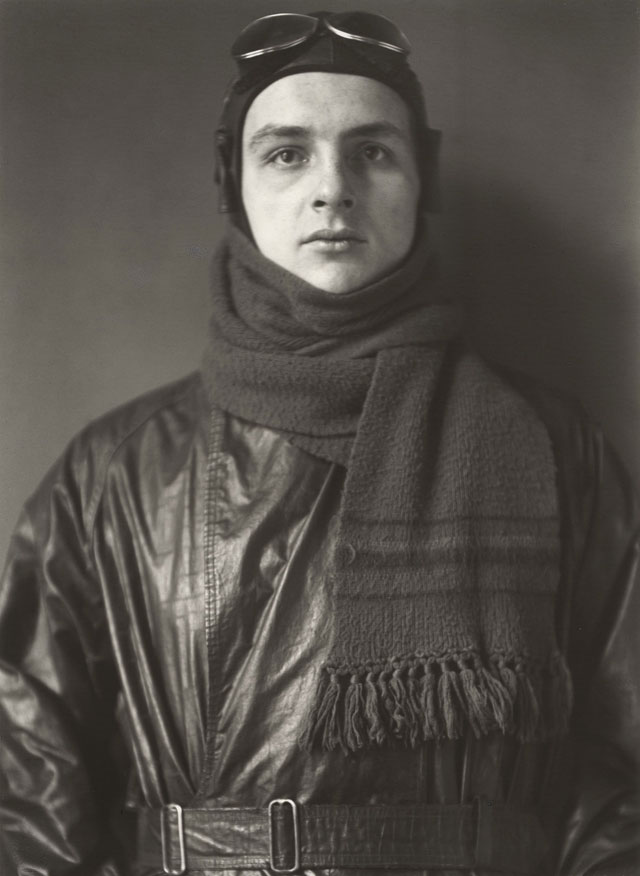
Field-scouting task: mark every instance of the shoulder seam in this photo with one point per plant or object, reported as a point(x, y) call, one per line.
point(96, 496)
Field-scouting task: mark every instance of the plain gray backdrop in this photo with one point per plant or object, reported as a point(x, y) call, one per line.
point(108, 111)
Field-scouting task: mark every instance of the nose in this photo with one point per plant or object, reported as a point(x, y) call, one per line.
point(333, 188)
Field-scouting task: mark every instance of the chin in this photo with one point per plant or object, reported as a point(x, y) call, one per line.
point(339, 279)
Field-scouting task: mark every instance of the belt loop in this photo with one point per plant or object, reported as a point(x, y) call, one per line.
point(284, 801)
point(172, 829)
point(484, 833)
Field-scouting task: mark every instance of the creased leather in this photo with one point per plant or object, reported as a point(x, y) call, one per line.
point(130, 670)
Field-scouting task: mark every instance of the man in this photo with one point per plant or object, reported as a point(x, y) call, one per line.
point(349, 599)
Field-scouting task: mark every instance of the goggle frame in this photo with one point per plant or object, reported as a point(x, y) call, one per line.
point(327, 21)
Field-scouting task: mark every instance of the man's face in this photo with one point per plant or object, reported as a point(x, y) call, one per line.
point(329, 178)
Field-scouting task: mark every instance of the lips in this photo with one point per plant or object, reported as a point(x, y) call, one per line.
point(335, 235)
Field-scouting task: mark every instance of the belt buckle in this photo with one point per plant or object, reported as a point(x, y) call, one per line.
point(285, 801)
point(173, 813)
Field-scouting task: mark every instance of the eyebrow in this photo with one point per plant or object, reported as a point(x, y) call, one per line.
point(371, 129)
point(268, 132)
point(377, 129)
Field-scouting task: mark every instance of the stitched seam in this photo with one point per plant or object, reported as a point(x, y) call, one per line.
point(214, 474)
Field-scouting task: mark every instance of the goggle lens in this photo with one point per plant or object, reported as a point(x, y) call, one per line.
point(281, 31)
point(273, 33)
point(370, 28)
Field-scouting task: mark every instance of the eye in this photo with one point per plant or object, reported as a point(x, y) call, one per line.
point(286, 157)
point(374, 152)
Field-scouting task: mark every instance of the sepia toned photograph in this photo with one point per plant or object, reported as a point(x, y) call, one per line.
point(320, 416)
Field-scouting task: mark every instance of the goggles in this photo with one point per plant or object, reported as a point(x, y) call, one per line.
point(284, 30)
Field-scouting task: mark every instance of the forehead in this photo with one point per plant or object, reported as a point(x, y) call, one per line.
point(328, 102)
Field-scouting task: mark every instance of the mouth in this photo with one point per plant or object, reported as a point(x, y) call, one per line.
point(334, 239)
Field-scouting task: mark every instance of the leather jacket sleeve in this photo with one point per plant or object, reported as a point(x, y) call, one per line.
point(601, 832)
point(57, 695)
point(591, 798)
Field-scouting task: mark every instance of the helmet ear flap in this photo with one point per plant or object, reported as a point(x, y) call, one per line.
point(430, 195)
point(227, 193)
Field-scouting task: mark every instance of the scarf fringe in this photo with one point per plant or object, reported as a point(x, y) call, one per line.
point(418, 699)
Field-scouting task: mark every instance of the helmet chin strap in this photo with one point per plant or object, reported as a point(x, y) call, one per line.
point(229, 194)
point(228, 200)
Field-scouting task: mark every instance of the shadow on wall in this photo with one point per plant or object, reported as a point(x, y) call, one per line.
point(541, 299)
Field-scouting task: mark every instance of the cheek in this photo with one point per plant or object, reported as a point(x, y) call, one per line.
point(395, 193)
point(398, 212)
point(271, 205)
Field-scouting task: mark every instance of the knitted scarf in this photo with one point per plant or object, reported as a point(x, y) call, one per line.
point(446, 561)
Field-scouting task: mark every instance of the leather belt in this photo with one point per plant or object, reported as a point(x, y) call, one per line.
point(285, 837)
